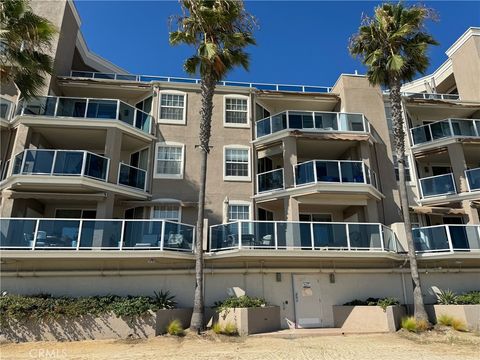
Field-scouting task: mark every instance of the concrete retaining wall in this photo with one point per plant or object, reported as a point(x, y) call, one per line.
point(368, 318)
point(469, 314)
point(251, 320)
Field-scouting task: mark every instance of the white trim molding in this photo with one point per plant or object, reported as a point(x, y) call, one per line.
point(247, 178)
point(240, 97)
point(471, 31)
point(183, 121)
point(156, 175)
point(241, 203)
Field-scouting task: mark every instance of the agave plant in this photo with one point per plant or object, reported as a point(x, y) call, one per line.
point(447, 297)
point(164, 300)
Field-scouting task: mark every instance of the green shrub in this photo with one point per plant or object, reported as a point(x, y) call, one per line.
point(164, 300)
point(386, 302)
point(470, 298)
point(230, 329)
point(383, 303)
point(447, 297)
point(445, 320)
point(44, 307)
point(175, 328)
point(217, 328)
point(243, 301)
point(413, 325)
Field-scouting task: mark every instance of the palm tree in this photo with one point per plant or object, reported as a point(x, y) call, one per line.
point(393, 46)
point(219, 30)
point(25, 40)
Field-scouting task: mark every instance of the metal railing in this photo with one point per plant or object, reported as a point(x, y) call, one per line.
point(270, 181)
point(288, 235)
point(333, 171)
point(444, 129)
point(132, 176)
point(431, 96)
point(473, 179)
point(85, 234)
point(6, 109)
point(312, 121)
point(87, 108)
point(437, 185)
point(61, 163)
point(447, 238)
point(152, 78)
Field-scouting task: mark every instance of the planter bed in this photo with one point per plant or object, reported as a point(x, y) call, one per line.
point(251, 320)
point(469, 314)
point(365, 319)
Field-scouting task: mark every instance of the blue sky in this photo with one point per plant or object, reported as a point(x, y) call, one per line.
point(299, 42)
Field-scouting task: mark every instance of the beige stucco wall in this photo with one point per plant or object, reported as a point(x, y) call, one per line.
point(466, 67)
point(368, 318)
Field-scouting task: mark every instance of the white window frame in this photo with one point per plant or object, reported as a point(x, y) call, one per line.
point(172, 121)
point(241, 203)
point(236, 96)
point(152, 211)
point(156, 175)
point(247, 178)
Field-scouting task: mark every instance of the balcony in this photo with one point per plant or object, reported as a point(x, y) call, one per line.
point(333, 171)
point(132, 176)
point(447, 238)
point(312, 121)
point(171, 79)
point(87, 108)
point(473, 179)
point(431, 96)
point(437, 185)
point(61, 163)
point(450, 128)
point(313, 236)
point(83, 235)
point(270, 181)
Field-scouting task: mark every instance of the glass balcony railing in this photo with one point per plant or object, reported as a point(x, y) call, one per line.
point(132, 176)
point(333, 171)
point(437, 185)
point(270, 180)
point(473, 179)
point(432, 96)
point(312, 121)
point(447, 238)
point(83, 234)
point(150, 78)
point(87, 108)
point(61, 163)
point(6, 108)
point(445, 129)
point(283, 235)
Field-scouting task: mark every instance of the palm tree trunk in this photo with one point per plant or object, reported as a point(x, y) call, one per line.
point(399, 139)
point(208, 89)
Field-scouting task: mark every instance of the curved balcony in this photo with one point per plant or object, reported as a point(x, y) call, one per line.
point(87, 108)
point(312, 121)
point(445, 129)
point(313, 236)
point(82, 235)
point(447, 238)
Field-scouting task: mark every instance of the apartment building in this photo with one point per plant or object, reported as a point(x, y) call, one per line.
point(100, 181)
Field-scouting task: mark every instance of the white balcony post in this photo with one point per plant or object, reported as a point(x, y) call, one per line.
point(122, 235)
point(430, 131)
point(453, 182)
point(314, 162)
point(117, 115)
point(382, 238)
point(257, 184)
point(162, 235)
point(311, 235)
point(56, 107)
point(84, 163)
point(86, 108)
point(449, 238)
point(475, 129)
point(339, 165)
point(364, 168)
point(79, 235)
point(348, 236)
point(313, 119)
point(451, 127)
point(35, 234)
point(53, 161)
point(271, 125)
point(288, 120)
point(275, 234)
point(22, 166)
point(338, 122)
point(239, 235)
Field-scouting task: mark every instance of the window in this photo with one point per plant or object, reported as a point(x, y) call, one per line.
point(238, 212)
point(172, 107)
point(140, 159)
point(316, 217)
point(236, 111)
point(407, 168)
point(414, 220)
point(170, 212)
point(169, 161)
point(75, 214)
point(237, 164)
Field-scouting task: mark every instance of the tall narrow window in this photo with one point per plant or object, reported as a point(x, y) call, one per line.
point(169, 161)
point(172, 108)
point(236, 110)
point(237, 163)
point(407, 168)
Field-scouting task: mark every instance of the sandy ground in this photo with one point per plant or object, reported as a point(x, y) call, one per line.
point(350, 347)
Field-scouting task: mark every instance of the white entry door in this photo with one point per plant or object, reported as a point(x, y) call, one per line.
point(308, 306)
